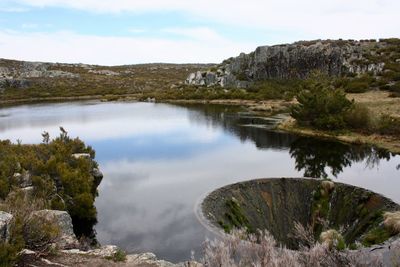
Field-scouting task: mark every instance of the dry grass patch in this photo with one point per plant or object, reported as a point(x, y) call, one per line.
point(378, 102)
point(392, 221)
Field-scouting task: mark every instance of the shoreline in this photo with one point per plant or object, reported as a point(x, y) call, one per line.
point(263, 108)
point(388, 143)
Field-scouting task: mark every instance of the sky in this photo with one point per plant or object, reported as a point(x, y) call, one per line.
point(116, 32)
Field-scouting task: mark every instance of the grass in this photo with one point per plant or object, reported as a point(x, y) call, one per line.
point(119, 256)
point(377, 235)
point(132, 79)
point(235, 217)
point(320, 205)
point(392, 221)
point(333, 239)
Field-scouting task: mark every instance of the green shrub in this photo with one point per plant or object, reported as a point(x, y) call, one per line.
point(395, 87)
point(60, 180)
point(8, 255)
point(357, 87)
point(358, 117)
point(375, 236)
point(119, 256)
point(388, 125)
point(356, 84)
point(321, 107)
point(40, 233)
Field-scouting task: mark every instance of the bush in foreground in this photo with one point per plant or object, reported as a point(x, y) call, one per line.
point(242, 249)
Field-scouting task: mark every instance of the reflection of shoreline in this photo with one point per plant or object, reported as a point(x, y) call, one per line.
point(312, 154)
point(244, 126)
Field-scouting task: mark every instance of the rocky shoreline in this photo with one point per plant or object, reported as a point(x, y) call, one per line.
point(68, 249)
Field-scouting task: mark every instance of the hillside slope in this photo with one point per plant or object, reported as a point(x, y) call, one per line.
point(335, 58)
point(26, 80)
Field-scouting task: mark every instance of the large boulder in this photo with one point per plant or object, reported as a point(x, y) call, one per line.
point(63, 220)
point(5, 223)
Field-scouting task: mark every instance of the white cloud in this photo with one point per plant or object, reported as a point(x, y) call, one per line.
point(323, 18)
point(29, 26)
point(72, 48)
point(13, 9)
point(137, 30)
point(198, 33)
point(281, 20)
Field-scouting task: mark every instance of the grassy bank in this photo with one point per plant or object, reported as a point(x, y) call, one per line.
point(389, 143)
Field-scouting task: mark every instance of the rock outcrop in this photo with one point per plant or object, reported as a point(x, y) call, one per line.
point(62, 219)
point(5, 222)
point(23, 179)
point(103, 256)
point(20, 74)
point(294, 61)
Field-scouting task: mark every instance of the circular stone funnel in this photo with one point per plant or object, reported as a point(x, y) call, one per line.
point(276, 204)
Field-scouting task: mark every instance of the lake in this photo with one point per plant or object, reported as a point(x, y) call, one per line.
point(159, 160)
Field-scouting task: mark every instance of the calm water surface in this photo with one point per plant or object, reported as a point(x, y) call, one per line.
point(158, 160)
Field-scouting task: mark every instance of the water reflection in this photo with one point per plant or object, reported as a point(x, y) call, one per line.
point(246, 127)
point(159, 160)
point(315, 156)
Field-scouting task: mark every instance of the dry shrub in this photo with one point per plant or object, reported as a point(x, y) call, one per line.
point(392, 221)
point(322, 255)
point(40, 233)
point(242, 250)
point(304, 235)
point(333, 239)
point(358, 117)
point(32, 232)
point(328, 185)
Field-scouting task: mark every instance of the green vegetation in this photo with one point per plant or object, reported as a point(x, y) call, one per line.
point(60, 181)
point(320, 206)
point(235, 217)
point(359, 84)
point(126, 80)
point(321, 107)
point(51, 166)
point(375, 236)
point(27, 230)
point(119, 256)
point(8, 254)
point(263, 90)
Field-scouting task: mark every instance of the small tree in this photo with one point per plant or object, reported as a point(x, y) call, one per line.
point(321, 106)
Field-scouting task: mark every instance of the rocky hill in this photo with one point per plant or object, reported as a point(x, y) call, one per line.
point(27, 80)
point(298, 60)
